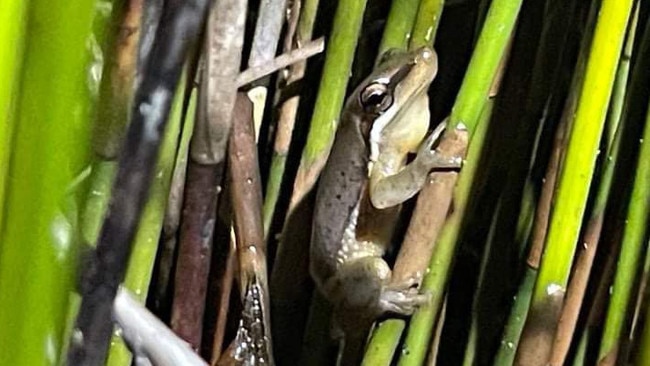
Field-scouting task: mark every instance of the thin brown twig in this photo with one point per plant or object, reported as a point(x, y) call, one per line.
point(437, 335)
point(543, 211)
point(545, 202)
point(224, 301)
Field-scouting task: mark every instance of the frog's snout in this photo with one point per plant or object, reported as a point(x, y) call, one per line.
point(427, 54)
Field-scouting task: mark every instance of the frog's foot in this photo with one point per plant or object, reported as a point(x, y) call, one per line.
point(402, 298)
point(433, 159)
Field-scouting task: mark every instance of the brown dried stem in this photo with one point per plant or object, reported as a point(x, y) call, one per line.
point(430, 212)
point(223, 47)
point(254, 334)
point(195, 249)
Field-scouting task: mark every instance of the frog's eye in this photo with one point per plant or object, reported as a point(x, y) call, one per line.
point(376, 98)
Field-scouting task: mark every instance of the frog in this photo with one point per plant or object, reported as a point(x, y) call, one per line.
point(365, 180)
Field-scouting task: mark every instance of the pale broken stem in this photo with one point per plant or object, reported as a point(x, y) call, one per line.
point(147, 336)
point(223, 44)
point(270, 17)
point(287, 59)
point(254, 333)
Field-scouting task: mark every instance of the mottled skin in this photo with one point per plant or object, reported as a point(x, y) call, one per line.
point(365, 180)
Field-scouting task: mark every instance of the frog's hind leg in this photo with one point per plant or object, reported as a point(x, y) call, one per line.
point(359, 282)
point(363, 286)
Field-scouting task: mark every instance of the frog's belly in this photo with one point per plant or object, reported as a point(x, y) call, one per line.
point(368, 232)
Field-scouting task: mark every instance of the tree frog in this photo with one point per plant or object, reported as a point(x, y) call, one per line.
point(364, 181)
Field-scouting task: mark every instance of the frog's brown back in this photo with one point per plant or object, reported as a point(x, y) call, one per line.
point(341, 184)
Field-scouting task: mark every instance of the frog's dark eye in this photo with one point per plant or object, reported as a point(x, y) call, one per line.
point(376, 98)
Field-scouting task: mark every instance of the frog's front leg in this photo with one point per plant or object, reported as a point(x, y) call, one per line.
point(390, 190)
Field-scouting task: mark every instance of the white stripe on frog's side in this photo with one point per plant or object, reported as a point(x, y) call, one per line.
point(376, 132)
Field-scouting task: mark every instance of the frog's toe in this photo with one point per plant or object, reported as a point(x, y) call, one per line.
point(402, 302)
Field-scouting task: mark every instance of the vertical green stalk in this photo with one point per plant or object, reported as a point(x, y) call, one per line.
point(574, 181)
point(467, 109)
point(579, 164)
point(13, 23)
point(615, 124)
point(631, 250)
point(582, 267)
point(383, 343)
point(491, 45)
point(50, 150)
point(534, 244)
point(621, 82)
point(331, 93)
point(508, 347)
point(426, 23)
point(333, 84)
point(418, 338)
point(643, 357)
point(399, 25)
